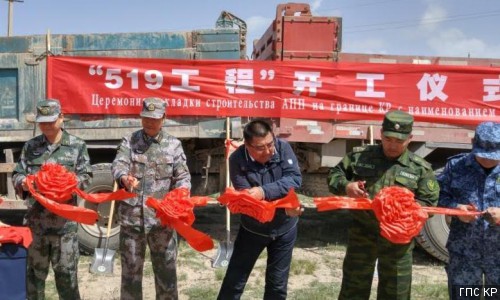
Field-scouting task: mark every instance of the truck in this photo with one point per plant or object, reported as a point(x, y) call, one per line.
point(294, 35)
point(23, 82)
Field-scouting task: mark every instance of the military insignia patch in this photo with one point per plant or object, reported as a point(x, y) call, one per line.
point(432, 184)
point(151, 107)
point(396, 126)
point(44, 111)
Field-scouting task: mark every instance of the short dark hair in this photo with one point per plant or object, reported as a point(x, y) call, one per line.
point(256, 128)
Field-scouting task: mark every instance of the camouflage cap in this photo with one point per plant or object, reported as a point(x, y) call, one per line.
point(486, 143)
point(47, 110)
point(397, 124)
point(153, 108)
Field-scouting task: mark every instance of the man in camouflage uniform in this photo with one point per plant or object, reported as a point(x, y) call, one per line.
point(471, 181)
point(149, 162)
point(54, 238)
point(362, 173)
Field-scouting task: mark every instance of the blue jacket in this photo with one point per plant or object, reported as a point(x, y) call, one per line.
point(276, 177)
point(464, 181)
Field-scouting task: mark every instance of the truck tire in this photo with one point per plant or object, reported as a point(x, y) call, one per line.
point(314, 185)
point(434, 235)
point(94, 236)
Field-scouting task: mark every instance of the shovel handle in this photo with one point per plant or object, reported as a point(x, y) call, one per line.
point(111, 212)
point(228, 181)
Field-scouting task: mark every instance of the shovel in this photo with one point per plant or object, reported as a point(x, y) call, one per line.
point(102, 262)
point(225, 249)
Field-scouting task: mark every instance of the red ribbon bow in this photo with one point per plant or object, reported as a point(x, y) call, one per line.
point(401, 218)
point(241, 202)
point(55, 185)
point(176, 211)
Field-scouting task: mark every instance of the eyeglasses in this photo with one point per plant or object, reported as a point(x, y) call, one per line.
point(268, 146)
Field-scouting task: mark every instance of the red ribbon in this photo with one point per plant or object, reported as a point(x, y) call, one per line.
point(56, 185)
point(229, 144)
point(339, 202)
point(241, 202)
point(176, 211)
point(401, 218)
point(16, 235)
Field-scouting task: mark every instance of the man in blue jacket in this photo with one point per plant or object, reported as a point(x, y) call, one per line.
point(267, 168)
point(471, 182)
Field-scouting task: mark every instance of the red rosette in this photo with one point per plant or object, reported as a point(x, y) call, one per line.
point(53, 185)
point(55, 182)
point(70, 212)
point(401, 218)
point(175, 205)
point(176, 211)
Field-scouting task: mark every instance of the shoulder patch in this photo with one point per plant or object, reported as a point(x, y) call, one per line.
point(432, 185)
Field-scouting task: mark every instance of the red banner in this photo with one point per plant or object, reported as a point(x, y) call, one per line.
point(292, 89)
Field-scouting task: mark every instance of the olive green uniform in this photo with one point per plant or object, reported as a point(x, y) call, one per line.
point(365, 244)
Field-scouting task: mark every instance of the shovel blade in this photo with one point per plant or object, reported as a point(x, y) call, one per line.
point(223, 255)
point(102, 262)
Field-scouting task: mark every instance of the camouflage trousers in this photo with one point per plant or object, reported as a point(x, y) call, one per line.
point(364, 247)
point(60, 250)
point(162, 244)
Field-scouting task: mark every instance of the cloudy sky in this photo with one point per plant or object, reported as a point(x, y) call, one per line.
point(405, 27)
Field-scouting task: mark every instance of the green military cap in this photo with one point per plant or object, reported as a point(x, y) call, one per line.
point(153, 108)
point(47, 110)
point(397, 124)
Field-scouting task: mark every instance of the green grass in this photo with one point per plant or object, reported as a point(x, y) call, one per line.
point(429, 291)
point(316, 291)
point(219, 274)
point(320, 291)
point(50, 289)
point(254, 291)
point(201, 292)
point(186, 251)
point(148, 269)
point(335, 247)
point(301, 266)
point(182, 277)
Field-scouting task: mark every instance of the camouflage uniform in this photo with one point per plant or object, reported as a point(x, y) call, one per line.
point(54, 238)
point(365, 244)
point(474, 247)
point(159, 164)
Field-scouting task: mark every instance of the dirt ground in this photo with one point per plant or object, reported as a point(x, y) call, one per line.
point(316, 270)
